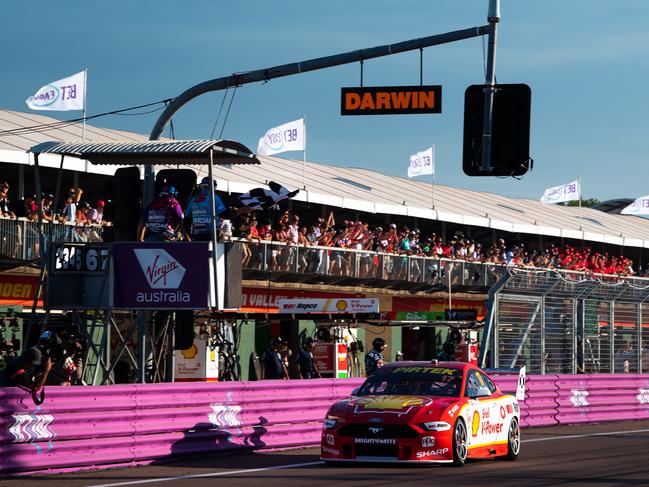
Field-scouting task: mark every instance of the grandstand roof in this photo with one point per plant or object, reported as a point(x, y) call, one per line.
point(361, 189)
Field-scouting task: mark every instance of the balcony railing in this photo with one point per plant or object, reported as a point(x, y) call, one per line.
point(337, 265)
point(19, 237)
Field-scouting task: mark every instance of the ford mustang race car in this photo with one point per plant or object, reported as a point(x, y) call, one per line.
point(423, 412)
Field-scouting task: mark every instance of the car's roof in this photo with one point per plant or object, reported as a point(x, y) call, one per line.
point(429, 364)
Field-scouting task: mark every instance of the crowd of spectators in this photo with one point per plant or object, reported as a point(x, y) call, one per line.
point(291, 233)
point(378, 249)
point(72, 209)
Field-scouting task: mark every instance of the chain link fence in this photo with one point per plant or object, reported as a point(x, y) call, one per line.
point(562, 323)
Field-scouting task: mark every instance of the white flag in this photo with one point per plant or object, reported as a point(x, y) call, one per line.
point(559, 194)
point(638, 207)
point(62, 95)
point(422, 163)
point(287, 137)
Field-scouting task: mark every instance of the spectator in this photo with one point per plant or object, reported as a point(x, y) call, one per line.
point(81, 217)
point(306, 360)
point(5, 210)
point(225, 231)
point(162, 220)
point(70, 208)
point(302, 252)
point(272, 361)
point(47, 212)
point(96, 214)
point(293, 239)
point(27, 207)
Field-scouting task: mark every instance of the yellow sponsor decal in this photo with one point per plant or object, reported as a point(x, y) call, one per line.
point(389, 402)
point(475, 424)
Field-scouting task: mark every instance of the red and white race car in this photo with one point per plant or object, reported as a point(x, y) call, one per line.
point(423, 412)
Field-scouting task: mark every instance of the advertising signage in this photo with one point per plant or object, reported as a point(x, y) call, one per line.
point(160, 276)
point(391, 100)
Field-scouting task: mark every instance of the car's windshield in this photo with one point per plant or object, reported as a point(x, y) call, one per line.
point(415, 381)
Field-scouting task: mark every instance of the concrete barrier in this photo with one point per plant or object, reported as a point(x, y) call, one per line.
point(80, 427)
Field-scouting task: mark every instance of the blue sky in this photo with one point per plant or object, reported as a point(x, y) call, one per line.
point(585, 60)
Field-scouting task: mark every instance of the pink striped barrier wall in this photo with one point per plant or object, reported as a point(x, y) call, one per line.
point(80, 427)
point(100, 425)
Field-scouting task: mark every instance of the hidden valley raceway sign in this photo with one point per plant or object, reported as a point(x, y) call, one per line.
point(160, 276)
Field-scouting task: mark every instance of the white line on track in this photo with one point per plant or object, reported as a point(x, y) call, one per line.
point(308, 464)
point(585, 435)
point(211, 474)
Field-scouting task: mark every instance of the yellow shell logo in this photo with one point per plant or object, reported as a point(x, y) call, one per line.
point(390, 402)
point(341, 305)
point(475, 424)
point(190, 353)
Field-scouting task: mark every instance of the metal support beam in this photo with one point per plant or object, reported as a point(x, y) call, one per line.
point(490, 84)
point(267, 74)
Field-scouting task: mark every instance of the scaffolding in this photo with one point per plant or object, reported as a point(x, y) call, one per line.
point(562, 323)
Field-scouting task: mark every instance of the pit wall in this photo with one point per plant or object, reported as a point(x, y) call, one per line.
point(98, 426)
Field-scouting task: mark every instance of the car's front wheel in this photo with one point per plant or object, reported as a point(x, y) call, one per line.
point(460, 447)
point(513, 440)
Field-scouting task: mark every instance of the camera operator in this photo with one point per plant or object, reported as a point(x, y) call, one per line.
point(29, 371)
point(67, 358)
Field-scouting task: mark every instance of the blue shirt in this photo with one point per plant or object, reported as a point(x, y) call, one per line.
point(199, 211)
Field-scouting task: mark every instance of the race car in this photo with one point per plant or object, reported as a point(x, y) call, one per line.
point(423, 412)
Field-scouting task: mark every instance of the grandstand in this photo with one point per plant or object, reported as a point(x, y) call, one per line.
point(357, 190)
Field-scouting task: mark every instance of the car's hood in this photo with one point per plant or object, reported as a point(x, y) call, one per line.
point(397, 407)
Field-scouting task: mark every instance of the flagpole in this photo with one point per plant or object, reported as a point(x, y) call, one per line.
point(304, 155)
point(433, 162)
point(579, 185)
point(85, 84)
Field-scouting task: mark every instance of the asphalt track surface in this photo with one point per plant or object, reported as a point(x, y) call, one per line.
point(599, 455)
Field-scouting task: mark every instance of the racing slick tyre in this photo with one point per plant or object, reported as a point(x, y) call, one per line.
point(460, 447)
point(513, 441)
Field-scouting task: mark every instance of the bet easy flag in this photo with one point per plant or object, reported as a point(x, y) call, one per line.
point(564, 192)
point(288, 137)
point(62, 95)
point(422, 163)
point(638, 207)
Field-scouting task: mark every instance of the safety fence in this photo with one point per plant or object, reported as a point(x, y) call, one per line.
point(555, 325)
point(126, 424)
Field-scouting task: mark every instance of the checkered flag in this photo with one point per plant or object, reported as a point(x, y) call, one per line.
point(259, 199)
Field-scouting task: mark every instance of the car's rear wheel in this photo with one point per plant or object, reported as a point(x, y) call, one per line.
point(460, 447)
point(513, 440)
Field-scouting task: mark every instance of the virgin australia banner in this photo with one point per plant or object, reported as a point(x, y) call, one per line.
point(638, 207)
point(288, 137)
point(160, 276)
point(62, 95)
point(422, 163)
point(559, 194)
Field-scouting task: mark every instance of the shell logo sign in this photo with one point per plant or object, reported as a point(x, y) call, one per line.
point(190, 353)
point(475, 424)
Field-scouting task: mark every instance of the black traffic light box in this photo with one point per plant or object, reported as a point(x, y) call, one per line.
point(510, 148)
